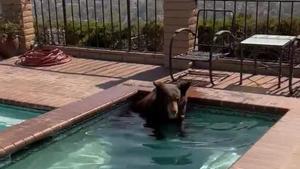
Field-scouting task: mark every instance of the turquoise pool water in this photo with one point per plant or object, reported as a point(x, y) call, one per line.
point(215, 139)
point(11, 115)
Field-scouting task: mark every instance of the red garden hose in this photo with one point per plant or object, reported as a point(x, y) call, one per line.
point(43, 57)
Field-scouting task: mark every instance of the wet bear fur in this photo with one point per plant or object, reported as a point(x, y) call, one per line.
point(166, 104)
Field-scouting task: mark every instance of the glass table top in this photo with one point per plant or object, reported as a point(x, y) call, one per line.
point(268, 40)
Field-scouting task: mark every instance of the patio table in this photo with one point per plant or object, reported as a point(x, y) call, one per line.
point(271, 41)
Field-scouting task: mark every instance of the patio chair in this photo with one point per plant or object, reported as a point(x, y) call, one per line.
point(209, 45)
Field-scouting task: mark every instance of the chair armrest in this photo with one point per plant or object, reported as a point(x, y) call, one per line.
point(222, 33)
point(184, 30)
point(297, 41)
point(172, 40)
point(175, 34)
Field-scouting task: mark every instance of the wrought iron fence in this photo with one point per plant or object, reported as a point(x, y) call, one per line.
point(113, 24)
point(137, 24)
point(260, 16)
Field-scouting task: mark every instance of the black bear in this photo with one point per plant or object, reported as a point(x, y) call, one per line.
point(165, 104)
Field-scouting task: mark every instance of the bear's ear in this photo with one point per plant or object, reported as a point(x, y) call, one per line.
point(183, 86)
point(157, 84)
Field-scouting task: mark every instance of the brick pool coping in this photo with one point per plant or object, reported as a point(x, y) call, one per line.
point(21, 135)
point(27, 105)
point(275, 149)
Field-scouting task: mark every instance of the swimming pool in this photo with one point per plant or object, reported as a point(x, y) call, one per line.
point(11, 115)
point(215, 138)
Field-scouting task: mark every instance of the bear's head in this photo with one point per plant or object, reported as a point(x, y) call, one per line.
point(172, 98)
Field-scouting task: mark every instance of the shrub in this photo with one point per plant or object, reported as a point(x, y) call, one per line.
point(9, 43)
point(74, 32)
point(8, 28)
point(102, 36)
point(154, 36)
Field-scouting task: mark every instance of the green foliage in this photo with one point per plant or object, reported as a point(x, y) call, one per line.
point(98, 36)
point(274, 27)
point(74, 32)
point(88, 34)
point(154, 35)
point(102, 36)
point(8, 39)
point(8, 28)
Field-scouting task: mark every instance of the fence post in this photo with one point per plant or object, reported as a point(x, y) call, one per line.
point(129, 24)
point(65, 19)
point(178, 14)
point(20, 12)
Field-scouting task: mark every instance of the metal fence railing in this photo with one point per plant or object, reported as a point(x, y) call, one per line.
point(137, 24)
point(281, 17)
point(260, 16)
point(112, 24)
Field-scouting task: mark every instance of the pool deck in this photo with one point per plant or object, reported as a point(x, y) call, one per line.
point(259, 84)
point(75, 87)
point(56, 86)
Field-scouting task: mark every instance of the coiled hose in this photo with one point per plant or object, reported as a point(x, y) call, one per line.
point(43, 57)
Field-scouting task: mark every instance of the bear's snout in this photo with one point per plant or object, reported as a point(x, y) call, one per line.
point(173, 110)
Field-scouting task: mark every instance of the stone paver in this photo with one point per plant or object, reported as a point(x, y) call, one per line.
point(260, 84)
point(61, 84)
point(58, 85)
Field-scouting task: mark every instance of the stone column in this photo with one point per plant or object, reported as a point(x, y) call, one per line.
point(178, 14)
point(20, 11)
